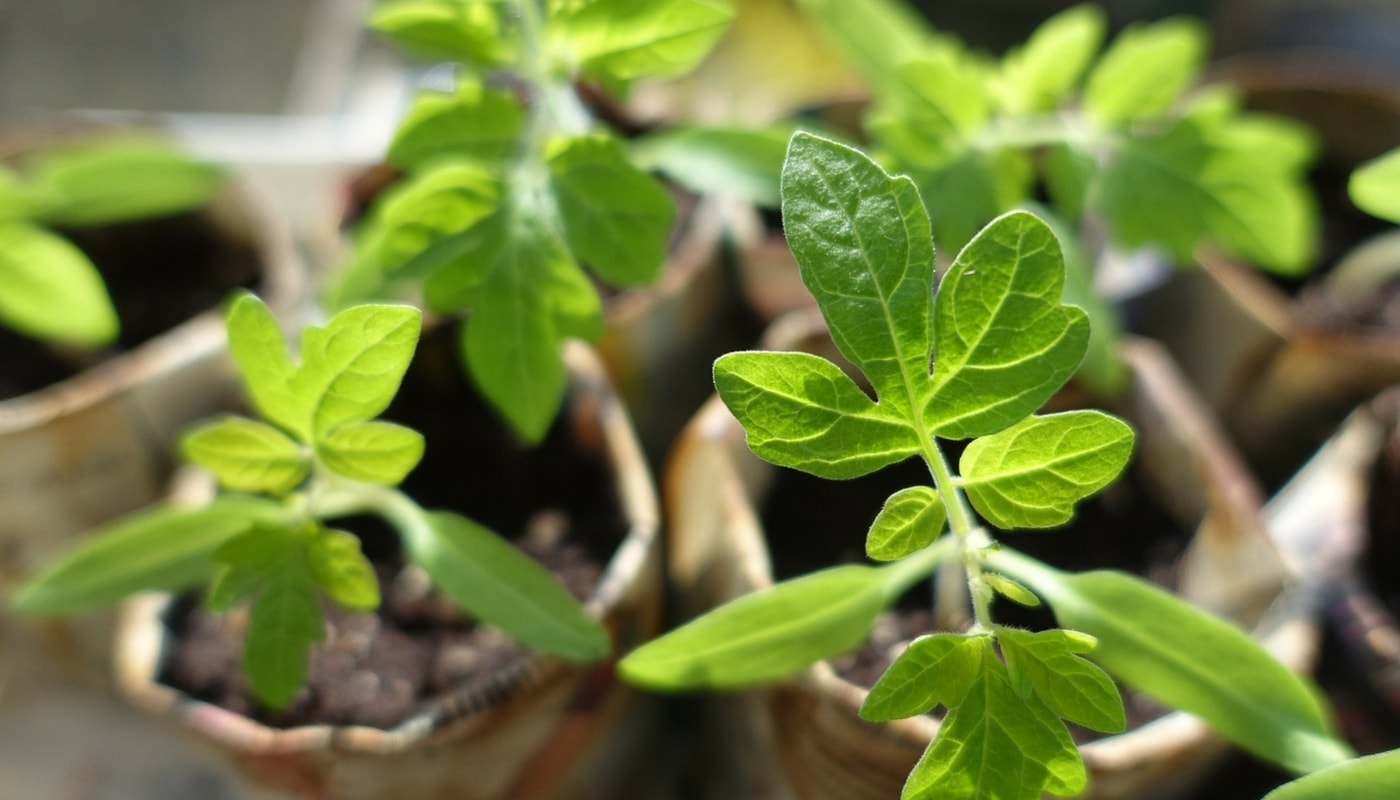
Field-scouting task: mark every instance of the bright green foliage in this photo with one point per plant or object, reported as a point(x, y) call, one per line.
point(48, 288)
point(974, 360)
point(1041, 74)
point(1145, 71)
point(323, 455)
point(1188, 659)
point(511, 194)
point(1375, 187)
point(739, 162)
point(1369, 778)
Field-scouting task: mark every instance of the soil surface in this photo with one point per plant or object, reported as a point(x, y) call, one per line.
point(159, 273)
point(556, 501)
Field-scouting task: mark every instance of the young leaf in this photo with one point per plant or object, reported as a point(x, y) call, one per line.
point(156, 549)
point(49, 289)
point(621, 40)
point(1145, 70)
point(1370, 778)
point(445, 29)
point(1187, 659)
point(731, 161)
point(1048, 663)
point(996, 744)
point(1004, 341)
point(1040, 74)
point(862, 242)
point(617, 219)
point(352, 367)
point(502, 586)
point(1032, 474)
point(934, 670)
point(259, 349)
point(341, 569)
point(802, 411)
point(1375, 187)
point(246, 456)
point(284, 623)
point(374, 452)
point(1010, 589)
point(940, 100)
point(480, 123)
point(909, 521)
point(767, 635)
point(875, 36)
point(117, 181)
point(414, 227)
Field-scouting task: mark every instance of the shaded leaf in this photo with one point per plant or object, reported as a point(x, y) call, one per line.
point(933, 670)
point(623, 40)
point(246, 456)
point(1004, 341)
point(801, 411)
point(1032, 474)
point(374, 452)
point(50, 290)
point(341, 569)
point(1049, 664)
point(284, 623)
point(416, 226)
point(909, 521)
point(473, 122)
point(1144, 71)
point(731, 161)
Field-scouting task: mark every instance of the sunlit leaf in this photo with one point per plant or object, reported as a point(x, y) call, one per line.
point(259, 348)
point(730, 161)
point(1145, 69)
point(909, 521)
point(1375, 187)
point(1049, 664)
point(374, 452)
point(445, 29)
point(623, 40)
point(351, 368)
point(1040, 74)
point(50, 290)
point(474, 122)
point(247, 456)
point(934, 670)
point(1370, 778)
point(107, 181)
point(341, 569)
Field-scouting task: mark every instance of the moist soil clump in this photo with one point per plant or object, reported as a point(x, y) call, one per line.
point(556, 501)
point(159, 273)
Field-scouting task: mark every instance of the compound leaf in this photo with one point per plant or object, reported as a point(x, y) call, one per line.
point(1004, 341)
point(862, 242)
point(50, 290)
point(617, 219)
point(909, 521)
point(801, 411)
point(374, 451)
point(246, 456)
point(1049, 664)
point(933, 670)
point(1032, 474)
point(622, 40)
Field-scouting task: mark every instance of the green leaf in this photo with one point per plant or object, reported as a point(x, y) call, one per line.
point(470, 30)
point(352, 367)
point(1145, 70)
point(155, 549)
point(996, 744)
point(474, 122)
point(1069, 173)
point(622, 40)
point(374, 452)
point(934, 670)
point(1187, 659)
point(862, 243)
point(1039, 75)
point(259, 349)
point(909, 521)
point(1370, 778)
point(341, 569)
point(767, 635)
point(525, 295)
point(874, 36)
point(801, 411)
point(731, 161)
point(1010, 589)
point(1375, 187)
point(1032, 474)
point(284, 623)
point(941, 98)
point(1004, 341)
point(246, 456)
point(617, 219)
point(50, 290)
point(232, 585)
point(502, 586)
point(413, 231)
point(1049, 664)
point(103, 182)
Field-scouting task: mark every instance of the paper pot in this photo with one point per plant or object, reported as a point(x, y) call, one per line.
point(803, 738)
point(538, 728)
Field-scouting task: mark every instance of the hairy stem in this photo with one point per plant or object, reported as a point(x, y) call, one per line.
point(970, 536)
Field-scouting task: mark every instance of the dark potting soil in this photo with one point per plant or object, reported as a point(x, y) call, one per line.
point(159, 273)
point(556, 501)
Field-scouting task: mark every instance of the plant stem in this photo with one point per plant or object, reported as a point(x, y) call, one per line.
point(970, 536)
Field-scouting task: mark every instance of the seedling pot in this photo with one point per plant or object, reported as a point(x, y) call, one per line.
point(803, 738)
point(95, 445)
point(538, 727)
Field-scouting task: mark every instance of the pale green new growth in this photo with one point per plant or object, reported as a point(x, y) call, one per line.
point(1375, 187)
point(974, 359)
point(510, 195)
point(322, 450)
point(1369, 778)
